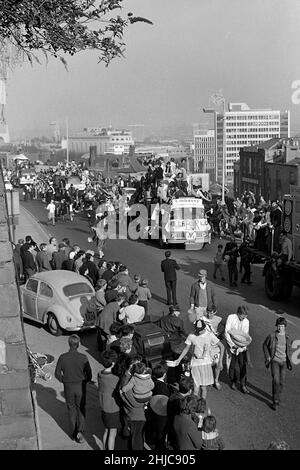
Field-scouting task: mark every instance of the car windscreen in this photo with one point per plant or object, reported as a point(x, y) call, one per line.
point(77, 288)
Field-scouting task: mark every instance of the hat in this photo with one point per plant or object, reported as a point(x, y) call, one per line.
point(281, 321)
point(158, 404)
point(202, 272)
point(240, 338)
point(173, 309)
point(90, 252)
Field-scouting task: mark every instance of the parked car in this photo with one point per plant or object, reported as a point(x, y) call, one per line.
point(61, 300)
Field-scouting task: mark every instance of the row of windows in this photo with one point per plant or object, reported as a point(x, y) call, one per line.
point(253, 117)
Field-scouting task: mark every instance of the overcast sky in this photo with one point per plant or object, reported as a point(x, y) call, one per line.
point(250, 49)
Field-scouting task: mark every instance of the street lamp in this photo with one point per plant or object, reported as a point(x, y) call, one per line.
point(67, 135)
point(218, 99)
point(214, 112)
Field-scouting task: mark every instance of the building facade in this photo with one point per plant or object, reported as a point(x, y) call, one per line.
point(106, 140)
point(247, 127)
point(204, 152)
point(268, 169)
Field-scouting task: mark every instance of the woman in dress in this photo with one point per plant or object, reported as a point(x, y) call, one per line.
point(203, 342)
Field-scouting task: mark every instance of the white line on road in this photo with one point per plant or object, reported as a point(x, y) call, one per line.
point(279, 315)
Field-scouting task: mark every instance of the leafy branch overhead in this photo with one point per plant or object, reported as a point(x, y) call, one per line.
point(57, 27)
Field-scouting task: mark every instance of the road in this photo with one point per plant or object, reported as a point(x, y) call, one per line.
point(244, 421)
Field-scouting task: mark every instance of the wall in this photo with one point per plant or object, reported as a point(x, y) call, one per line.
point(279, 177)
point(18, 428)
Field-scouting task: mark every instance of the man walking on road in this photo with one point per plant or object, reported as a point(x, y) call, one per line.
point(51, 212)
point(169, 267)
point(231, 253)
point(238, 322)
point(74, 371)
point(202, 296)
point(277, 350)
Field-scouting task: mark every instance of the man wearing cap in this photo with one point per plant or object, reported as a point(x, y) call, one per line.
point(202, 296)
point(237, 355)
point(169, 267)
point(277, 351)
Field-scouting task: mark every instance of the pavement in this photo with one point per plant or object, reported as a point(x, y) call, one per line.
point(51, 410)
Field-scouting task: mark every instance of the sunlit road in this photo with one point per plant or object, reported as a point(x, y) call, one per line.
point(244, 421)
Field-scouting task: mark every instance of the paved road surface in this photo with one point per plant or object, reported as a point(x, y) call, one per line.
point(245, 422)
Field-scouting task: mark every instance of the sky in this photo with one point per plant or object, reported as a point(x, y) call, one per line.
point(249, 49)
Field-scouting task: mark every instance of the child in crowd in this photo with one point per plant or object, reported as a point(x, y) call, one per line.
point(144, 295)
point(200, 412)
point(110, 410)
point(218, 262)
point(210, 435)
point(137, 279)
point(114, 333)
point(140, 383)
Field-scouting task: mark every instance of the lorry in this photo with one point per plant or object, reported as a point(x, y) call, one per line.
point(281, 277)
point(182, 222)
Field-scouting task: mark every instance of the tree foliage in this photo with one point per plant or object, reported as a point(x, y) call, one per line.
point(59, 27)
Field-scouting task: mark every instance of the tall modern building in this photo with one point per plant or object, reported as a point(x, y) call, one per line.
point(247, 127)
point(204, 152)
point(106, 140)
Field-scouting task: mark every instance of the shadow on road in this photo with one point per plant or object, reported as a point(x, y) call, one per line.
point(47, 400)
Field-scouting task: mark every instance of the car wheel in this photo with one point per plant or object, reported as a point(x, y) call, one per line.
point(53, 325)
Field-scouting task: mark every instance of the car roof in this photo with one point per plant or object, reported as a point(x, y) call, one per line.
point(60, 278)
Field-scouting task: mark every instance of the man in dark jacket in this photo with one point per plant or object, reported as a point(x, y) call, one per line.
point(173, 328)
point(89, 269)
point(42, 260)
point(29, 263)
point(59, 256)
point(277, 352)
point(169, 267)
point(74, 371)
point(108, 273)
point(231, 254)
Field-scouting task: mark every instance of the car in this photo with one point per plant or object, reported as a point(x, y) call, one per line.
point(61, 300)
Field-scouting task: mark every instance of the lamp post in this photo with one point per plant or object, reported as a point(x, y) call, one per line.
point(214, 112)
point(67, 135)
point(218, 99)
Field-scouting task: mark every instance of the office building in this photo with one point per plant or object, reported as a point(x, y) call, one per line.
point(247, 127)
point(204, 152)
